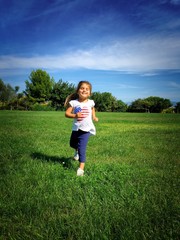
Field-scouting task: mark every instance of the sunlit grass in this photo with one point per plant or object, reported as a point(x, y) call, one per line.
point(130, 189)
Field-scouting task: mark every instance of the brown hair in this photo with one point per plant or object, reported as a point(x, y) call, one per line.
point(74, 95)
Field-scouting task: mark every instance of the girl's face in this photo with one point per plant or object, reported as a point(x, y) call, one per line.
point(84, 91)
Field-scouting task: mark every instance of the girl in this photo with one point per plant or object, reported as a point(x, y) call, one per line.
point(81, 108)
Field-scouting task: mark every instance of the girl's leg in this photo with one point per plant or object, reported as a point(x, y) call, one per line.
point(81, 165)
point(83, 140)
point(74, 140)
point(74, 144)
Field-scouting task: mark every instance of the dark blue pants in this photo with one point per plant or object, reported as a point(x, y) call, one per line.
point(78, 141)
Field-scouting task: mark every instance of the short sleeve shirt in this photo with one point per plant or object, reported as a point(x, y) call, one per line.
point(84, 123)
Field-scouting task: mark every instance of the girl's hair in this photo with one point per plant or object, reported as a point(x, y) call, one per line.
point(75, 95)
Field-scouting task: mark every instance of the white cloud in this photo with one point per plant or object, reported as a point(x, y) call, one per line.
point(173, 24)
point(126, 86)
point(149, 74)
point(134, 55)
point(176, 2)
point(174, 84)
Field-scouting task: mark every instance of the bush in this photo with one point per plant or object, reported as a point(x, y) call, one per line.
point(42, 107)
point(168, 110)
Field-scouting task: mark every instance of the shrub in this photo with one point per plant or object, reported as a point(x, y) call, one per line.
point(42, 107)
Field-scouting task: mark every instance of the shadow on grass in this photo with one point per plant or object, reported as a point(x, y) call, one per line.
point(66, 162)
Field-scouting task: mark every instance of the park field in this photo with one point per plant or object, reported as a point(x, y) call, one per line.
point(130, 189)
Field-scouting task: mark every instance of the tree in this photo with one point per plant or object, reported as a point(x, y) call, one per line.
point(59, 93)
point(135, 106)
point(108, 102)
point(121, 106)
point(150, 104)
point(2, 91)
point(157, 104)
point(177, 107)
point(96, 96)
point(40, 86)
point(7, 93)
point(139, 105)
point(105, 102)
point(16, 89)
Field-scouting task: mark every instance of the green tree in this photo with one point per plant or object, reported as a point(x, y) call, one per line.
point(106, 102)
point(121, 106)
point(96, 96)
point(39, 86)
point(7, 92)
point(177, 107)
point(150, 104)
point(139, 105)
point(2, 91)
point(102, 101)
point(59, 93)
point(109, 102)
point(16, 89)
point(15, 101)
point(157, 104)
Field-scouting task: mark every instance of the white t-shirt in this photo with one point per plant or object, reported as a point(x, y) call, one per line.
point(84, 123)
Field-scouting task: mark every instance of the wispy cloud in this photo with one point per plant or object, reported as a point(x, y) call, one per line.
point(22, 11)
point(174, 84)
point(173, 24)
point(149, 74)
point(127, 86)
point(58, 6)
point(176, 2)
point(137, 55)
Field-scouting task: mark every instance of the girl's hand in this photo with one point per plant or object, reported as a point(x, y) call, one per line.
point(95, 119)
point(78, 115)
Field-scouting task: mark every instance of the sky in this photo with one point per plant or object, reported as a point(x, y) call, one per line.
point(128, 48)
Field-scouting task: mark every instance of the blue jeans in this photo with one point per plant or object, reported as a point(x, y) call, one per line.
point(78, 141)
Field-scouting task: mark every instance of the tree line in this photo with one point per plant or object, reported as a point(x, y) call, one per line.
point(43, 93)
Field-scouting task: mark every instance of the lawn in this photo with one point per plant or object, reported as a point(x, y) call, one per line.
point(130, 189)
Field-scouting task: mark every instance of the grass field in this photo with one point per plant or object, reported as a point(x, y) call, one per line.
point(130, 189)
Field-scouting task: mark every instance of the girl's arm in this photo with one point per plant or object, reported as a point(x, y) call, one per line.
point(69, 113)
point(94, 115)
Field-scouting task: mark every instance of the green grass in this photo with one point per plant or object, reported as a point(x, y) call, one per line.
point(130, 189)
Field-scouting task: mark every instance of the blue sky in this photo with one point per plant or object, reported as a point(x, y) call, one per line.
point(128, 48)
